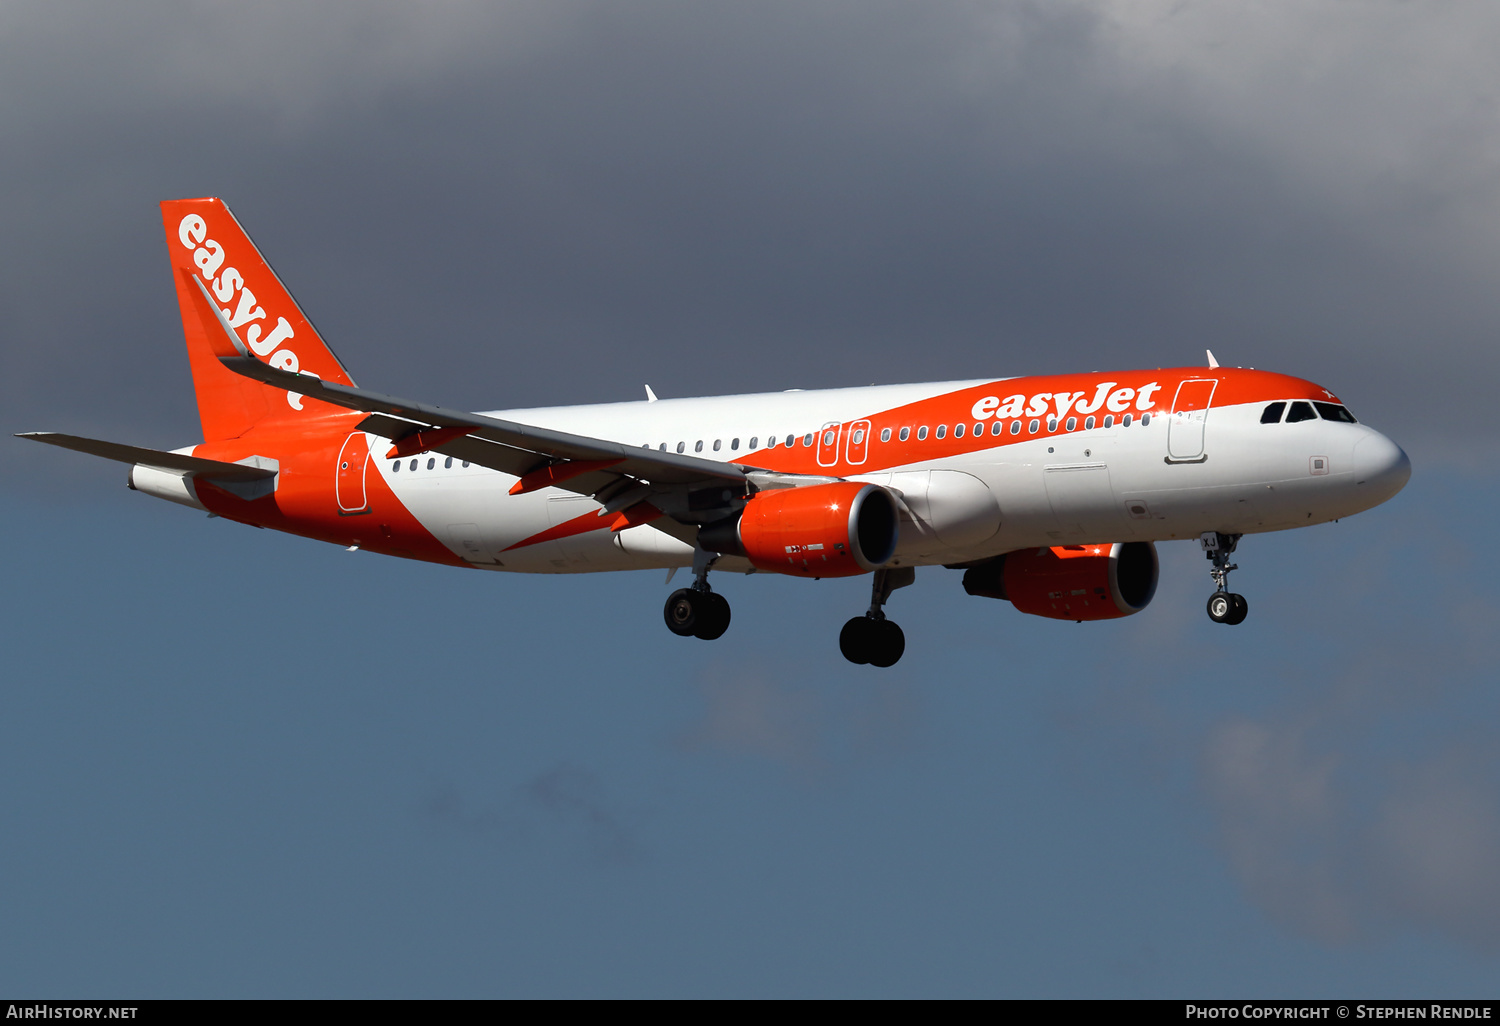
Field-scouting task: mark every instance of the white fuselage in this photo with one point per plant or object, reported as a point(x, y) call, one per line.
point(1151, 481)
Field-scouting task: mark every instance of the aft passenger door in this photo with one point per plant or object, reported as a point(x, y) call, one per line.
point(349, 481)
point(1186, 424)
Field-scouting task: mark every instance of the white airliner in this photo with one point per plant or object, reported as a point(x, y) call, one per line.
point(1048, 491)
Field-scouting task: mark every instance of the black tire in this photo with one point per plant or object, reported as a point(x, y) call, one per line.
point(1240, 610)
point(855, 640)
point(890, 643)
point(1220, 606)
point(713, 621)
point(682, 612)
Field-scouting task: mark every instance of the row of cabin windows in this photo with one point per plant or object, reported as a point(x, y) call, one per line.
point(1301, 411)
point(1272, 414)
point(734, 443)
point(959, 430)
point(431, 464)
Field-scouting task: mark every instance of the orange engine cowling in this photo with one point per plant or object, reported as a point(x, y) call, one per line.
point(828, 530)
point(1071, 582)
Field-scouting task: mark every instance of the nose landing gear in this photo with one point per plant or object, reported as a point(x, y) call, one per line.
point(1223, 605)
point(872, 639)
point(698, 611)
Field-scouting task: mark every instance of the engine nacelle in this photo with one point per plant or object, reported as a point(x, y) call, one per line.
point(829, 530)
point(1071, 582)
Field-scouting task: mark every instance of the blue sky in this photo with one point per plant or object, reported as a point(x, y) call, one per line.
point(242, 764)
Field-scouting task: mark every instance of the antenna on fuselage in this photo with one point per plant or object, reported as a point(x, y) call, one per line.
point(1211, 361)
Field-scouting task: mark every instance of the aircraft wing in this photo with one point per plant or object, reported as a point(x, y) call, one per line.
point(556, 458)
point(216, 470)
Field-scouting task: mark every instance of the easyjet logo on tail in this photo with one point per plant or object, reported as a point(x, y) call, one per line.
point(242, 311)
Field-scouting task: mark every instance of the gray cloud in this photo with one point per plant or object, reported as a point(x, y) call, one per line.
point(1343, 859)
point(804, 725)
point(515, 203)
point(566, 806)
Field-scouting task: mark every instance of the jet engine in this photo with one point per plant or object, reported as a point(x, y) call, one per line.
point(829, 530)
point(1071, 582)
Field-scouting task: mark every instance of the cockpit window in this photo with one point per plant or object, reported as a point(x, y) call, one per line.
point(1301, 411)
point(1272, 414)
point(1333, 411)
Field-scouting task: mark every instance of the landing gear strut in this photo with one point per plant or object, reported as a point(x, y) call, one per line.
point(1223, 605)
point(872, 638)
point(698, 611)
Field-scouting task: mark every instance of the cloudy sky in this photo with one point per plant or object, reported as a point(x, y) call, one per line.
point(245, 764)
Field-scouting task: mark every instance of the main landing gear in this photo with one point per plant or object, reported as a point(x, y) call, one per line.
point(698, 611)
point(1223, 605)
point(872, 638)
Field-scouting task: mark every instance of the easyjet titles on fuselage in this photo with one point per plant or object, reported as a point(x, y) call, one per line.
point(1058, 404)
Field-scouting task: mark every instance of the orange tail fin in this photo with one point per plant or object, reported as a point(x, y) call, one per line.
point(205, 240)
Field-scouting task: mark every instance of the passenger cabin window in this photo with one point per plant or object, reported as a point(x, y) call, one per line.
point(1088, 425)
point(734, 445)
point(996, 428)
point(448, 463)
point(1333, 411)
point(1034, 427)
point(1051, 423)
point(1109, 420)
point(922, 433)
point(717, 443)
point(413, 465)
point(807, 440)
point(1125, 420)
point(885, 434)
point(754, 441)
point(682, 447)
point(905, 433)
point(1300, 411)
point(395, 466)
point(958, 430)
point(1072, 423)
point(942, 430)
point(859, 436)
point(1145, 419)
point(432, 463)
point(699, 446)
point(791, 440)
point(1272, 414)
point(1015, 427)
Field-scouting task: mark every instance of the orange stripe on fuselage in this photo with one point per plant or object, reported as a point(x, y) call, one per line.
point(305, 502)
point(1235, 386)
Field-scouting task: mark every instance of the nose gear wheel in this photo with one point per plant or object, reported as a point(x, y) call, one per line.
point(1224, 606)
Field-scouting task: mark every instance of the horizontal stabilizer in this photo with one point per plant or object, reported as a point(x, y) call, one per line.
point(212, 469)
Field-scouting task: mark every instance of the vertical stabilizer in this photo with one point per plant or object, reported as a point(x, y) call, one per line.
point(205, 241)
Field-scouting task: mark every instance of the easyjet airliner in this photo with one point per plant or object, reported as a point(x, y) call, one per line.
point(1049, 492)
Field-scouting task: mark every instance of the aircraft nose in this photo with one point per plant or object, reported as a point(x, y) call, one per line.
point(1381, 465)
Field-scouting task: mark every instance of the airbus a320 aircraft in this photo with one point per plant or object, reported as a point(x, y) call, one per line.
point(1048, 491)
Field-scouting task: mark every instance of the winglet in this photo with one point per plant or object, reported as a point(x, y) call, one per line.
point(650, 395)
point(223, 342)
point(1211, 361)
